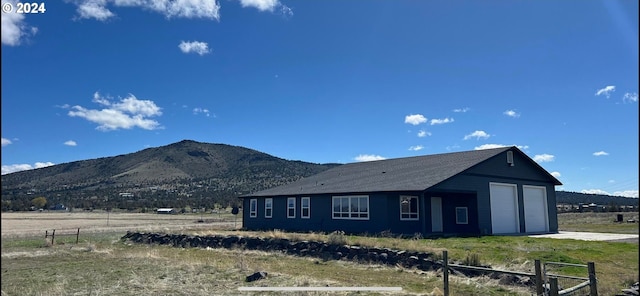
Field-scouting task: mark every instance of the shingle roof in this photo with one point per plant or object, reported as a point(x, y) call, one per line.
point(399, 174)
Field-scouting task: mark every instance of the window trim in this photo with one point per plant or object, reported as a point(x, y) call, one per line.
point(409, 214)
point(291, 210)
point(466, 215)
point(350, 215)
point(268, 207)
point(308, 207)
point(253, 208)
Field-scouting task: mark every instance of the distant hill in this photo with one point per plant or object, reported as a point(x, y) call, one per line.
point(575, 198)
point(180, 174)
point(186, 173)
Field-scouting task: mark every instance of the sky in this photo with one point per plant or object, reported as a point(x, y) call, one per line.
point(327, 81)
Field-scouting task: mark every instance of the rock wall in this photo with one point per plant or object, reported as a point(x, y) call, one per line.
point(418, 260)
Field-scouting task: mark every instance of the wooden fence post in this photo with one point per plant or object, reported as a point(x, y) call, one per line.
point(539, 283)
point(77, 235)
point(445, 270)
point(553, 286)
point(593, 281)
point(53, 236)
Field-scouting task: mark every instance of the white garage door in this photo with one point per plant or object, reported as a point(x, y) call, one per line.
point(504, 208)
point(536, 217)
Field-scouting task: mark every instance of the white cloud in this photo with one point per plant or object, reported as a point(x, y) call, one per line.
point(6, 142)
point(7, 169)
point(600, 153)
point(71, 143)
point(478, 135)
point(415, 119)
point(594, 191)
point(286, 11)
point(555, 174)
point(14, 29)
point(630, 98)
point(97, 9)
point(461, 110)
point(606, 91)
point(368, 157)
point(544, 158)
point(197, 111)
point(416, 148)
point(43, 164)
point(198, 47)
point(489, 146)
point(261, 5)
point(126, 114)
point(627, 193)
point(423, 134)
point(441, 121)
point(492, 146)
point(512, 113)
point(267, 5)
point(94, 9)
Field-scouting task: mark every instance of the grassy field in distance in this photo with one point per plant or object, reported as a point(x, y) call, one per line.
point(101, 264)
point(599, 222)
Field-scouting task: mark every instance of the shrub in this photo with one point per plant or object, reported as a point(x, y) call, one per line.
point(386, 233)
point(473, 259)
point(337, 238)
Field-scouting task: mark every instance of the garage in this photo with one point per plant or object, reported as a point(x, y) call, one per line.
point(504, 208)
point(535, 209)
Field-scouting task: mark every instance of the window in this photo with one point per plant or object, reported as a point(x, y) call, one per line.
point(305, 206)
point(408, 207)
point(253, 208)
point(351, 207)
point(268, 207)
point(291, 207)
point(462, 215)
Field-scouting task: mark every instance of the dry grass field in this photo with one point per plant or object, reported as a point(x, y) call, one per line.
point(27, 224)
point(102, 264)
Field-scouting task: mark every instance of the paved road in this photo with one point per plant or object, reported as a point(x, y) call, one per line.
point(591, 236)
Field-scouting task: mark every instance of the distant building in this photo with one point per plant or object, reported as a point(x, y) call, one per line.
point(58, 207)
point(166, 211)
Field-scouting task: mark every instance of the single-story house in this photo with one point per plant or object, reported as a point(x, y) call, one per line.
point(480, 192)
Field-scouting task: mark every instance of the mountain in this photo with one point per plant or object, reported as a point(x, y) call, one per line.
point(180, 174)
point(186, 173)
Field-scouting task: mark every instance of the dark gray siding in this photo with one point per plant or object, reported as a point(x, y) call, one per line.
point(496, 169)
point(320, 219)
point(397, 226)
point(450, 201)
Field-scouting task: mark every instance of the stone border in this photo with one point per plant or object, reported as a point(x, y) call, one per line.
point(418, 260)
point(360, 254)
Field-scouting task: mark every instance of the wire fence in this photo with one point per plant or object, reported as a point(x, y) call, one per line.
point(547, 278)
point(62, 232)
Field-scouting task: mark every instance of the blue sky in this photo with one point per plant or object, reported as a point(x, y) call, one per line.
point(328, 81)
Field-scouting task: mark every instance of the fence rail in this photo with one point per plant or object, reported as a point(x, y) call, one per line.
point(546, 284)
point(66, 233)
